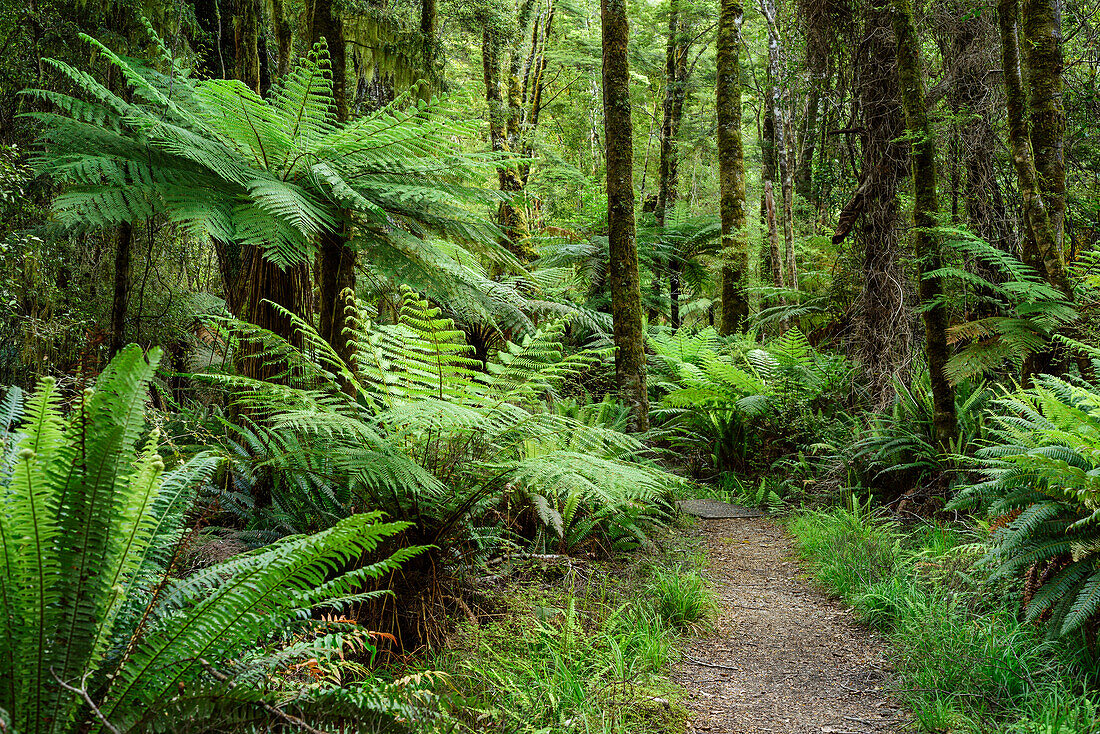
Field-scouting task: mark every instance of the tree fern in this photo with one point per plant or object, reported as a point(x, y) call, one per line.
point(223, 163)
point(430, 435)
point(1031, 311)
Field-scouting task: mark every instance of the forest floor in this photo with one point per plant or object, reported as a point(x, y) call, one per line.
point(780, 657)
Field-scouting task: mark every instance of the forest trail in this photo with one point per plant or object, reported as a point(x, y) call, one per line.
point(781, 658)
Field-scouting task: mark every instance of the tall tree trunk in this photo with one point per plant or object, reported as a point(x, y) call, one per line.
point(925, 210)
point(1041, 248)
point(247, 38)
point(626, 297)
point(284, 36)
point(429, 39)
point(816, 63)
point(509, 217)
point(883, 329)
point(1042, 29)
point(767, 176)
point(731, 168)
point(1042, 230)
point(329, 26)
point(337, 260)
point(121, 301)
point(786, 172)
point(781, 122)
point(773, 234)
point(668, 180)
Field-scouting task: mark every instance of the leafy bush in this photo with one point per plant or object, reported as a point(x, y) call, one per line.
point(98, 634)
point(1042, 484)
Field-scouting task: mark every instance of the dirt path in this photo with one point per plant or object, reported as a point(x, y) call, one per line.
point(782, 657)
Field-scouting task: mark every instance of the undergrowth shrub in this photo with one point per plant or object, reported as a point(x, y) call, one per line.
point(1042, 487)
point(741, 405)
point(469, 453)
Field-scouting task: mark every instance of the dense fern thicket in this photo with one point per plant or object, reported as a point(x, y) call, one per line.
point(362, 255)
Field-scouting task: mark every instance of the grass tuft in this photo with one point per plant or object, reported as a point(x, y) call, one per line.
point(965, 662)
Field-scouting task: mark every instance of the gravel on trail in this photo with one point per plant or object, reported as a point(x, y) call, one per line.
point(781, 657)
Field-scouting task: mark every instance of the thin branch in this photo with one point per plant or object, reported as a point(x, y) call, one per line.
point(83, 693)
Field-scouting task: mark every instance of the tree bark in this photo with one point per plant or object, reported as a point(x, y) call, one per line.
point(773, 234)
point(509, 217)
point(767, 175)
point(284, 36)
point(781, 122)
point(816, 63)
point(883, 328)
point(1042, 29)
point(247, 39)
point(626, 297)
point(672, 112)
point(328, 25)
point(429, 33)
point(1048, 254)
point(731, 168)
point(121, 302)
point(1041, 247)
point(927, 245)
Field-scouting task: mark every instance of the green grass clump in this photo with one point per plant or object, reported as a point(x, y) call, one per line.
point(965, 662)
point(682, 600)
point(559, 661)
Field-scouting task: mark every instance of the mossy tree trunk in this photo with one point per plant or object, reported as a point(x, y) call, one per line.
point(509, 216)
point(926, 240)
point(731, 168)
point(626, 296)
point(247, 37)
point(284, 35)
point(1042, 29)
point(672, 112)
point(1041, 246)
point(1048, 254)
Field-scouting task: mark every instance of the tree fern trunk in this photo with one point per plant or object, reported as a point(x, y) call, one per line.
point(338, 259)
point(626, 299)
point(925, 210)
